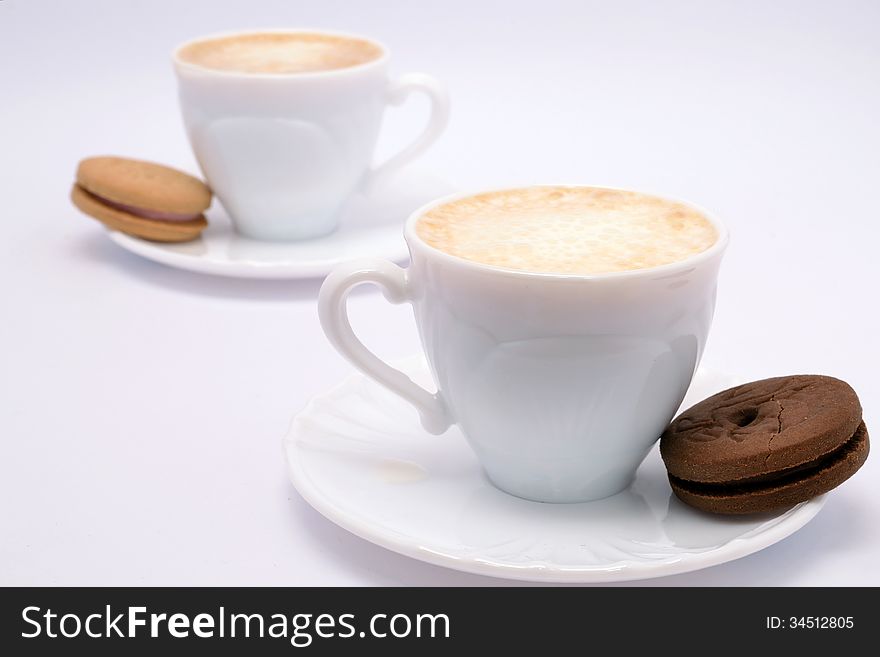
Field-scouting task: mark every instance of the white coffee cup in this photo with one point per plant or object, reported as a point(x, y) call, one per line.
point(560, 383)
point(284, 151)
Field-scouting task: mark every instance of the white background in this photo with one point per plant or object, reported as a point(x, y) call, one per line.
point(142, 408)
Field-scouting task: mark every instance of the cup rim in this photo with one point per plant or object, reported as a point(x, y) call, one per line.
point(183, 65)
point(669, 269)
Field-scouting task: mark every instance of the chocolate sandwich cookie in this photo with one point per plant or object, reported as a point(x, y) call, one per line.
point(766, 445)
point(143, 199)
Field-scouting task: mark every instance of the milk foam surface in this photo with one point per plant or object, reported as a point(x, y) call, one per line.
point(277, 52)
point(567, 230)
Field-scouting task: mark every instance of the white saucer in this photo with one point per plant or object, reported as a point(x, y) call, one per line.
point(358, 454)
point(371, 225)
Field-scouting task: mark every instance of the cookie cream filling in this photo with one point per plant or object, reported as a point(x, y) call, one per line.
point(782, 477)
point(142, 212)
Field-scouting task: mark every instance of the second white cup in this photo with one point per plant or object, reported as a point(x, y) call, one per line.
point(283, 152)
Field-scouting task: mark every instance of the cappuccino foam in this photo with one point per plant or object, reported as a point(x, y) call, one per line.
point(280, 52)
point(567, 230)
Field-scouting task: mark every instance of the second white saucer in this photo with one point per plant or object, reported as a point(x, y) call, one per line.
point(371, 225)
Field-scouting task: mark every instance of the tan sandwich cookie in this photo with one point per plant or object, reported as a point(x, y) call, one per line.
point(143, 199)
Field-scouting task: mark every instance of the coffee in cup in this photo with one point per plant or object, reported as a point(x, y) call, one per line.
point(567, 230)
point(280, 52)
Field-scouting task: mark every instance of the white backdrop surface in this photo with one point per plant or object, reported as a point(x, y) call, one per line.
point(142, 408)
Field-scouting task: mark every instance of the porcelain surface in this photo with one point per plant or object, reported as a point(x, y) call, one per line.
point(284, 152)
point(560, 383)
point(359, 455)
point(372, 224)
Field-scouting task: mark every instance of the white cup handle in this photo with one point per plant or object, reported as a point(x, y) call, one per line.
point(398, 91)
point(332, 310)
